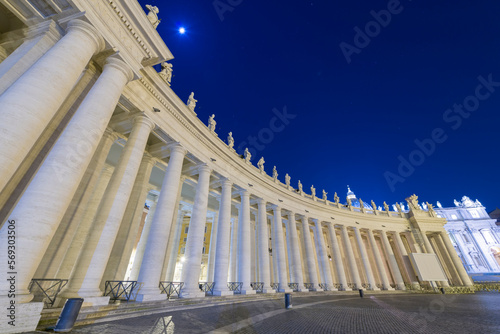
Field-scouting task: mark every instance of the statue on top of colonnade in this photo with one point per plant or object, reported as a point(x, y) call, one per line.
point(247, 155)
point(230, 140)
point(191, 103)
point(275, 174)
point(386, 207)
point(212, 123)
point(153, 15)
point(413, 203)
point(313, 191)
point(373, 205)
point(260, 164)
point(287, 180)
point(336, 198)
point(166, 72)
point(300, 187)
point(324, 195)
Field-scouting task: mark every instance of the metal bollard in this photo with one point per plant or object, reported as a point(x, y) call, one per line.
point(442, 290)
point(288, 300)
point(361, 293)
point(68, 315)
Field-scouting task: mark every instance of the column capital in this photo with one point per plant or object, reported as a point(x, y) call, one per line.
point(315, 220)
point(291, 213)
point(143, 119)
point(89, 30)
point(111, 134)
point(120, 65)
point(147, 157)
point(176, 147)
point(226, 182)
point(204, 168)
point(276, 207)
point(261, 201)
point(244, 193)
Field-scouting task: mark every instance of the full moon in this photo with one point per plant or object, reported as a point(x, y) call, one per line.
point(182, 30)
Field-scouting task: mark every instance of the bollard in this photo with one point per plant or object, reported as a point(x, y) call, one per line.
point(288, 300)
point(361, 293)
point(442, 290)
point(68, 315)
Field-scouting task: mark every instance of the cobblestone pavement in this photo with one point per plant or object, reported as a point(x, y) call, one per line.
point(378, 313)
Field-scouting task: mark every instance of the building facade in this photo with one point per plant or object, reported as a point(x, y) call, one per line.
point(90, 131)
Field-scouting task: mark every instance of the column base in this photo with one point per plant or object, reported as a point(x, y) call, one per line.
point(192, 294)
point(142, 298)
point(401, 287)
point(22, 318)
point(268, 290)
point(248, 292)
point(95, 301)
point(373, 289)
point(223, 293)
point(303, 290)
point(389, 288)
point(285, 290)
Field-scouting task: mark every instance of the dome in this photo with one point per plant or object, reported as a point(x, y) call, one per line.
point(354, 201)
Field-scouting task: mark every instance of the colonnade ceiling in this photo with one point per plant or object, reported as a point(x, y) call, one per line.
point(8, 21)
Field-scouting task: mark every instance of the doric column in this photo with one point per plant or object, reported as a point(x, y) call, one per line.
point(322, 255)
point(244, 244)
point(279, 250)
point(427, 244)
point(400, 285)
point(263, 246)
point(63, 239)
point(310, 261)
point(353, 268)
point(223, 240)
point(212, 249)
point(194, 244)
point(337, 256)
point(406, 261)
point(378, 260)
point(89, 270)
point(173, 242)
point(49, 194)
point(296, 268)
point(156, 247)
point(456, 260)
point(141, 246)
point(233, 252)
point(366, 261)
point(127, 234)
point(39, 93)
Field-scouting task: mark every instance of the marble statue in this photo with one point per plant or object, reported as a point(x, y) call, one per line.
point(478, 203)
point(438, 203)
point(386, 207)
point(313, 191)
point(324, 195)
point(192, 102)
point(361, 204)
point(230, 140)
point(349, 203)
point(166, 72)
point(275, 174)
point(431, 209)
point(457, 203)
point(394, 208)
point(373, 205)
point(398, 207)
point(247, 155)
point(153, 15)
point(412, 202)
point(300, 187)
point(212, 123)
point(287, 179)
point(424, 206)
point(336, 198)
point(260, 164)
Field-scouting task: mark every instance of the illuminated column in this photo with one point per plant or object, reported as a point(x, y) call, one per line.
point(406, 261)
point(366, 261)
point(141, 247)
point(212, 248)
point(89, 269)
point(310, 261)
point(233, 254)
point(263, 245)
point(223, 240)
point(456, 260)
point(32, 100)
point(337, 256)
point(378, 260)
point(173, 243)
point(279, 250)
point(392, 262)
point(295, 252)
point(244, 244)
point(49, 194)
point(156, 246)
point(353, 268)
point(322, 256)
point(194, 244)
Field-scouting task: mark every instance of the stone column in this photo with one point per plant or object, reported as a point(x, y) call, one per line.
point(263, 245)
point(456, 260)
point(295, 252)
point(366, 261)
point(223, 240)
point(89, 270)
point(194, 244)
point(322, 256)
point(427, 244)
point(39, 93)
point(63, 239)
point(279, 250)
point(400, 285)
point(156, 247)
point(49, 194)
point(127, 234)
point(378, 260)
point(233, 255)
point(310, 261)
point(337, 257)
point(244, 251)
point(141, 247)
point(173, 244)
point(406, 261)
point(212, 249)
point(353, 268)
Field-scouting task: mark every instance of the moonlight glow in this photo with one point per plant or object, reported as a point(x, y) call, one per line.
point(182, 30)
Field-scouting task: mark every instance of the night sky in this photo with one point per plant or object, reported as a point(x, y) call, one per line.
point(361, 92)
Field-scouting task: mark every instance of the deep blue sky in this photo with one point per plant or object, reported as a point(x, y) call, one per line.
point(353, 120)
